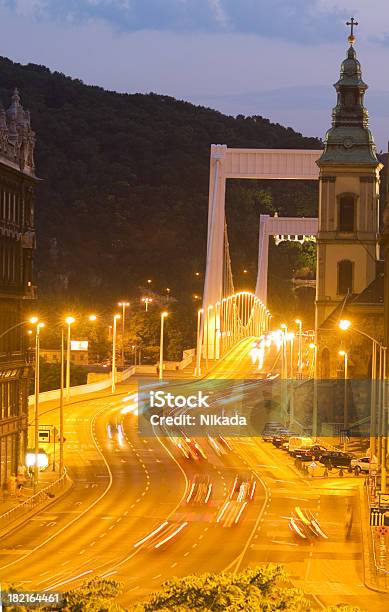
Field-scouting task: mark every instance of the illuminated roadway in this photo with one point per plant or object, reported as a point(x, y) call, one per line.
point(126, 488)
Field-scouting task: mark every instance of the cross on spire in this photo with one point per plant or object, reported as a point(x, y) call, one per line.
point(352, 23)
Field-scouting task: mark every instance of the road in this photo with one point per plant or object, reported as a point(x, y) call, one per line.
point(127, 487)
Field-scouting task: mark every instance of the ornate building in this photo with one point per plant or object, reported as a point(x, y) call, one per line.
point(17, 243)
point(347, 242)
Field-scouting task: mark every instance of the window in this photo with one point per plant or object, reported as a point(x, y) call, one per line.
point(345, 277)
point(346, 213)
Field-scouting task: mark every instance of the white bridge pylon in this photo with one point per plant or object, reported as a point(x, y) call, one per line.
point(293, 229)
point(226, 164)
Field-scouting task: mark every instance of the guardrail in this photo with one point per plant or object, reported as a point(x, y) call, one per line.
point(378, 541)
point(47, 396)
point(32, 502)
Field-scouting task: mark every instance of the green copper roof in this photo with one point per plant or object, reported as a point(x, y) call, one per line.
point(349, 141)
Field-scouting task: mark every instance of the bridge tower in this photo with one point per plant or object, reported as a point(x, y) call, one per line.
point(348, 196)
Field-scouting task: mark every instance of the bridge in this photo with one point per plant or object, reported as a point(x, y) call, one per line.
point(226, 316)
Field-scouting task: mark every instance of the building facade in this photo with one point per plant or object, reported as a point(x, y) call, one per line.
point(347, 241)
point(17, 243)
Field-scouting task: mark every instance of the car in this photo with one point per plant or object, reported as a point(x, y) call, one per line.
point(296, 442)
point(271, 429)
point(363, 465)
point(310, 453)
point(243, 488)
point(199, 490)
point(336, 459)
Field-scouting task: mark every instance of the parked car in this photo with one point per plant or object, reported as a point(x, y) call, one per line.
point(362, 465)
point(296, 442)
point(336, 459)
point(271, 429)
point(310, 453)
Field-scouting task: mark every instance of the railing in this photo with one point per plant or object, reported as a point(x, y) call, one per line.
point(378, 543)
point(75, 391)
point(225, 323)
point(32, 502)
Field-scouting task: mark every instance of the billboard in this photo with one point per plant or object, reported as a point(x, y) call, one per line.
point(79, 345)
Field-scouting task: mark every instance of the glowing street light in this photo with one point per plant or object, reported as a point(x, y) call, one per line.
point(344, 324)
point(113, 371)
point(163, 317)
point(147, 301)
point(124, 305)
point(92, 317)
point(38, 327)
point(69, 322)
point(198, 349)
point(300, 356)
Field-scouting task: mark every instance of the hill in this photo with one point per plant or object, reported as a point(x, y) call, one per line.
point(124, 189)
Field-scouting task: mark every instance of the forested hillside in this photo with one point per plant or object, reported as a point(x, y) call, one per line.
point(124, 185)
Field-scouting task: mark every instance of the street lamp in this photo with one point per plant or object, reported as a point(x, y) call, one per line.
point(69, 321)
point(147, 301)
point(284, 367)
point(313, 346)
point(300, 356)
point(198, 349)
point(345, 324)
point(345, 406)
point(124, 305)
point(163, 317)
point(38, 326)
point(113, 372)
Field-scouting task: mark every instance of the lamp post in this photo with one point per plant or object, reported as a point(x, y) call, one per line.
point(314, 412)
point(113, 372)
point(34, 321)
point(163, 317)
point(198, 346)
point(345, 325)
point(345, 405)
point(69, 321)
point(147, 301)
point(61, 411)
point(124, 305)
point(300, 346)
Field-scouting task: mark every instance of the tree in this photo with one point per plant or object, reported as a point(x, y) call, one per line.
point(260, 588)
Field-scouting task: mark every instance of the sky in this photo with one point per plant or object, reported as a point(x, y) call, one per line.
point(275, 58)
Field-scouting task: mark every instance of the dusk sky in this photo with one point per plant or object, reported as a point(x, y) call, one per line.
point(276, 58)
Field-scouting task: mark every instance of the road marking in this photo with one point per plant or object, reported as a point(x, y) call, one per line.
point(157, 576)
point(77, 518)
point(174, 564)
point(54, 586)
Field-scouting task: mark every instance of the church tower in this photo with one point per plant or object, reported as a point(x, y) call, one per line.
point(347, 247)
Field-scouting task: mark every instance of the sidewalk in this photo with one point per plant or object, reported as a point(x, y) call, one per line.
point(15, 509)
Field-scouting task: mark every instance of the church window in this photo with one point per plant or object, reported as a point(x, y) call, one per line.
point(346, 213)
point(345, 277)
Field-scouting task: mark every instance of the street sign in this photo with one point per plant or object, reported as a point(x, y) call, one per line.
point(44, 435)
point(79, 345)
point(383, 500)
point(344, 435)
point(376, 517)
point(383, 531)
